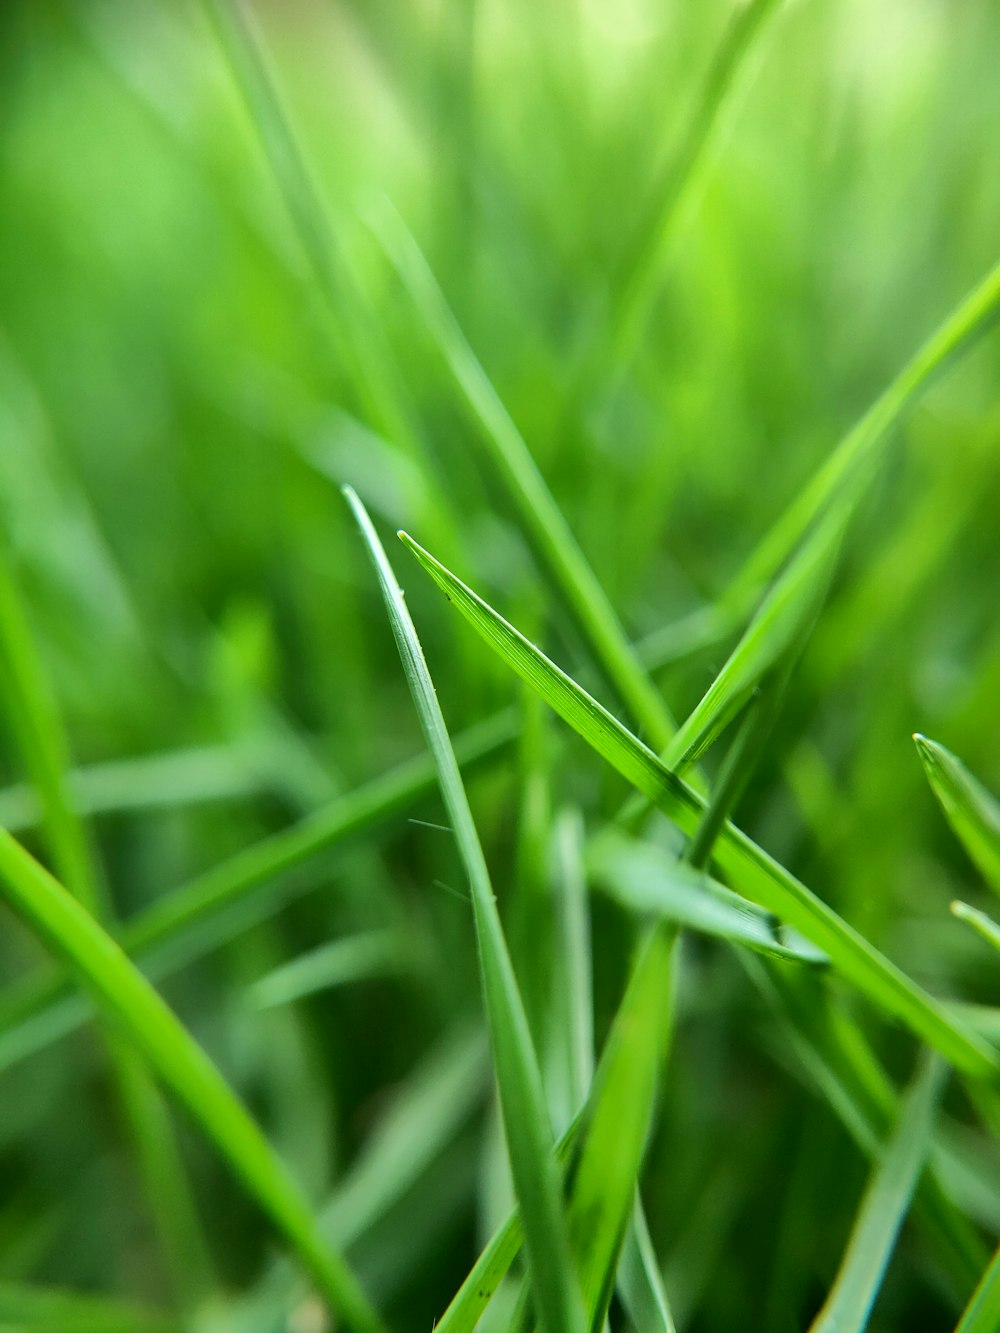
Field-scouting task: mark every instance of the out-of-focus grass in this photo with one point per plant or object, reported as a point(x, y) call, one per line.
point(666, 257)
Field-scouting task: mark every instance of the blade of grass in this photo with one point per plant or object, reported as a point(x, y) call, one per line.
point(639, 1280)
point(982, 1314)
point(540, 516)
point(750, 869)
point(36, 722)
point(842, 474)
point(886, 1202)
point(27, 1307)
point(123, 995)
point(982, 924)
point(337, 963)
point(972, 811)
point(213, 907)
point(528, 1133)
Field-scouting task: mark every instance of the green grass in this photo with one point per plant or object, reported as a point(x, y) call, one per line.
point(578, 975)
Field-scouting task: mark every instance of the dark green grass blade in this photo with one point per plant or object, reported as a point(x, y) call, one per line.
point(972, 811)
point(886, 1202)
point(750, 870)
point(539, 514)
point(216, 906)
point(526, 1126)
point(604, 1186)
point(843, 473)
point(982, 1314)
point(123, 995)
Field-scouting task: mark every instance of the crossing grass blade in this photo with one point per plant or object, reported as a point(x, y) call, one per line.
point(982, 1314)
point(843, 475)
point(887, 1199)
point(125, 997)
point(750, 870)
point(217, 905)
point(526, 1126)
point(982, 924)
point(621, 1107)
point(540, 516)
point(971, 810)
point(645, 879)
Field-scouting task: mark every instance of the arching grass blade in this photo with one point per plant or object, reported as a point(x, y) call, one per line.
point(972, 811)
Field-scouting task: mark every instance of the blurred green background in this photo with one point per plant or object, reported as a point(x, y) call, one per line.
point(182, 391)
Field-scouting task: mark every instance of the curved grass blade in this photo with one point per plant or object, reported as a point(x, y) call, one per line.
point(337, 963)
point(540, 516)
point(645, 878)
point(639, 1282)
point(883, 1209)
point(750, 870)
point(982, 924)
point(123, 995)
point(843, 473)
point(215, 906)
point(972, 811)
point(526, 1125)
point(982, 1314)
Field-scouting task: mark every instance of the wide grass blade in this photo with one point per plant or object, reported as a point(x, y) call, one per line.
point(883, 1209)
point(539, 514)
point(526, 1125)
point(646, 879)
point(972, 811)
point(750, 870)
point(982, 1314)
point(123, 995)
point(842, 476)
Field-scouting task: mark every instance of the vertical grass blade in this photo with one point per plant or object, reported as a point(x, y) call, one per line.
point(750, 870)
point(540, 516)
point(123, 995)
point(982, 1314)
point(972, 811)
point(883, 1209)
point(528, 1133)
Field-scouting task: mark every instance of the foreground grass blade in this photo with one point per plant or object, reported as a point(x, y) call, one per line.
point(621, 1104)
point(123, 995)
point(981, 923)
point(750, 870)
point(885, 1205)
point(841, 473)
point(972, 811)
point(540, 516)
point(982, 1314)
point(215, 906)
point(528, 1133)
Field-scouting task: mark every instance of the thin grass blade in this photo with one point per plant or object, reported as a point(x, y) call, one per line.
point(750, 870)
point(886, 1202)
point(982, 1314)
point(528, 1133)
point(972, 811)
point(337, 963)
point(123, 995)
point(982, 924)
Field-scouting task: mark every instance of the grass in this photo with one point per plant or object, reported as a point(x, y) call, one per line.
point(624, 971)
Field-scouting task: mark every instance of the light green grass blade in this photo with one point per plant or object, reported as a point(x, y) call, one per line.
point(123, 995)
point(645, 878)
point(972, 811)
point(373, 954)
point(783, 618)
point(539, 514)
point(639, 1280)
point(750, 870)
point(843, 473)
point(982, 924)
point(27, 1307)
point(640, 268)
point(216, 906)
point(982, 1314)
point(883, 1209)
point(604, 1186)
point(528, 1133)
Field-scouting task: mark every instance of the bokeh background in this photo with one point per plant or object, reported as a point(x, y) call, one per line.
point(186, 378)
